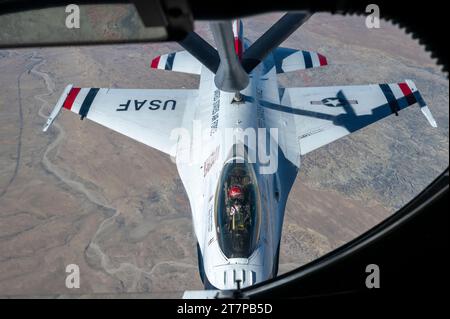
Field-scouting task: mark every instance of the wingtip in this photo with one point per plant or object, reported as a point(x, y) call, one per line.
point(47, 124)
point(426, 111)
point(57, 108)
point(423, 106)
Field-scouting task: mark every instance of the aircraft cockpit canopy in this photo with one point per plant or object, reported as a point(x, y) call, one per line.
point(237, 210)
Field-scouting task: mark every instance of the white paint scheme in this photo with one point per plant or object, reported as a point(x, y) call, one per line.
point(302, 127)
point(183, 62)
point(318, 125)
point(289, 60)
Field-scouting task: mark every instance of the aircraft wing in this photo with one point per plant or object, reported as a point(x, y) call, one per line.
point(320, 115)
point(145, 115)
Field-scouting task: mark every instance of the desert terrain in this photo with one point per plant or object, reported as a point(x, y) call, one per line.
point(82, 194)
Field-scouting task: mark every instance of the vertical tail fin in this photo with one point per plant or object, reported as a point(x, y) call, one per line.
point(238, 32)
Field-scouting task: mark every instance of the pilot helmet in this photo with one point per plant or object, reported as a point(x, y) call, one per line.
point(235, 191)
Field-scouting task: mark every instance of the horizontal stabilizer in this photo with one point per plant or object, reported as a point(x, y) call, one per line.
point(287, 60)
point(272, 38)
point(181, 61)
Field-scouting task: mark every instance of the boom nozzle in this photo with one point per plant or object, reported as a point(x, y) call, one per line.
point(230, 76)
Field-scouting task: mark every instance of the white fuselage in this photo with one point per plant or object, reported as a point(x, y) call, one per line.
point(201, 160)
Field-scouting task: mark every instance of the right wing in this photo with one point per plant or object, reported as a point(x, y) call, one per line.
point(312, 117)
point(145, 115)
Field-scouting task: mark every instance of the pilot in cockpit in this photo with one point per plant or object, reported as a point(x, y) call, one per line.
point(238, 210)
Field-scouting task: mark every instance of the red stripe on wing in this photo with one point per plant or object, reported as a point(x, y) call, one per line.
point(406, 90)
point(71, 98)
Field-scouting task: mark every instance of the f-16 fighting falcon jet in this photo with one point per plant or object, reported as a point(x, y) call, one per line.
point(237, 139)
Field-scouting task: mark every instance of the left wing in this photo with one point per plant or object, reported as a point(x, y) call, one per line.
point(321, 115)
point(147, 116)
